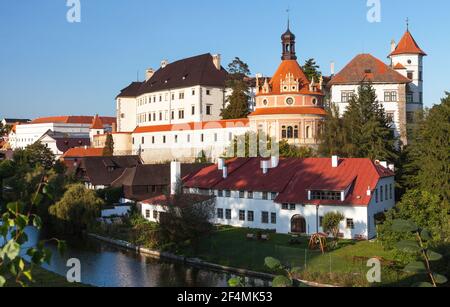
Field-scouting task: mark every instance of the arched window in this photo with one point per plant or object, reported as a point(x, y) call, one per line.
point(296, 132)
point(283, 132)
point(290, 132)
point(308, 132)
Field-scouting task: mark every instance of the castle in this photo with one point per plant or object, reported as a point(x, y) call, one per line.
point(175, 112)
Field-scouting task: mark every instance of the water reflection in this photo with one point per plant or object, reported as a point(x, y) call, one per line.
point(106, 266)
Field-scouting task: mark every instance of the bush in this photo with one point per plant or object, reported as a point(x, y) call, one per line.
point(111, 195)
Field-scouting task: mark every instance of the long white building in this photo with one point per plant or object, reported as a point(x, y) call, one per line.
point(289, 195)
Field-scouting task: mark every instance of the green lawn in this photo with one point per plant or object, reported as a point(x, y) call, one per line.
point(46, 279)
point(229, 246)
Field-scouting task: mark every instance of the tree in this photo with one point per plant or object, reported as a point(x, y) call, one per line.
point(428, 158)
point(251, 144)
point(6, 171)
point(311, 70)
point(423, 209)
point(331, 222)
point(34, 155)
point(332, 134)
point(363, 132)
point(108, 150)
point(186, 220)
point(77, 210)
point(237, 103)
point(291, 151)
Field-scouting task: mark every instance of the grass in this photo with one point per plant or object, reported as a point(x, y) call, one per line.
point(46, 279)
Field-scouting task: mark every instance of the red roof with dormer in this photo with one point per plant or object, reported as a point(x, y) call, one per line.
point(367, 68)
point(290, 67)
point(408, 45)
point(72, 120)
point(217, 124)
point(293, 177)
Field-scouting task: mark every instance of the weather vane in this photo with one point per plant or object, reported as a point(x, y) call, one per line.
point(288, 11)
point(407, 23)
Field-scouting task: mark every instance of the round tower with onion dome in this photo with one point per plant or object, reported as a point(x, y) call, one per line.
point(288, 105)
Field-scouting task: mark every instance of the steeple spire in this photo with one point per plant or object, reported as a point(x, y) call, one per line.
point(288, 18)
point(407, 24)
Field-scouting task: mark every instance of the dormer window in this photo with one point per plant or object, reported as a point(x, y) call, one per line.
point(325, 195)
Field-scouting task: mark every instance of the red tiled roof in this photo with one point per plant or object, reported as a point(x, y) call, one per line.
point(219, 124)
point(407, 45)
point(79, 152)
point(72, 120)
point(289, 67)
point(185, 200)
point(289, 110)
point(294, 177)
point(365, 67)
point(97, 123)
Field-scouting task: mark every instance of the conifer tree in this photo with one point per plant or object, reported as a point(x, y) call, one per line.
point(237, 102)
point(331, 134)
point(108, 150)
point(311, 69)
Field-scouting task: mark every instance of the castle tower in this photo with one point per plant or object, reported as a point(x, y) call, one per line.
point(407, 59)
point(288, 44)
point(96, 128)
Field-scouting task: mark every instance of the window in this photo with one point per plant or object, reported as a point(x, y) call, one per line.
point(321, 221)
point(215, 137)
point(390, 96)
point(220, 193)
point(227, 193)
point(250, 216)
point(264, 196)
point(250, 195)
point(376, 195)
point(155, 214)
point(208, 110)
point(208, 92)
point(132, 141)
point(265, 217)
point(143, 140)
point(193, 110)
point(176, 138)
point(283, 132)
point(325, 195)
point(410, 75)
point(390, 117)
point(381, 193)
point(181, 95)
point(154, 116)
point(273, 195)
point(173, 96)
point(147, 214)
point(220, 213)
point(350, 224)
point(193, 92)
point(164, 139)
point(420, 76)
point(346, 96)
point(273, 218)
point(285, 207)
point(292, 207)
point(181, 114)
point(386, 191)
point(202, 138)
point(241, 215)
point(153, 140)
point(420, 97)
point(160, 116)
point(228, 214)
point(409, 98)
point(290, 101)
point(188, 138)
point(265, 102)
point(391, 194)
point(160, 98)
point(122, 115)
point(241, 194)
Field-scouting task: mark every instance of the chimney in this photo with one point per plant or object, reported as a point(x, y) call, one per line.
point(217, 61)
point(369, 191)
point(149, 73)
point(265, 165)
point(164, 63)
point(274, 160)
point(384, 164)
point(225, 172)
point(175, 177)
point(332, 68)
point(220, 164)
point(391, 167)
point(334, 161)
point(393, 46)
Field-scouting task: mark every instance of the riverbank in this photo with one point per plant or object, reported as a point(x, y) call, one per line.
point(228, 247)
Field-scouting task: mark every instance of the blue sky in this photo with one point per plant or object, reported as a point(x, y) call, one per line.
point(51, 67)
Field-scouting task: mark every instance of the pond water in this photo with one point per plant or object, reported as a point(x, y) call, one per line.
point(104, 265)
